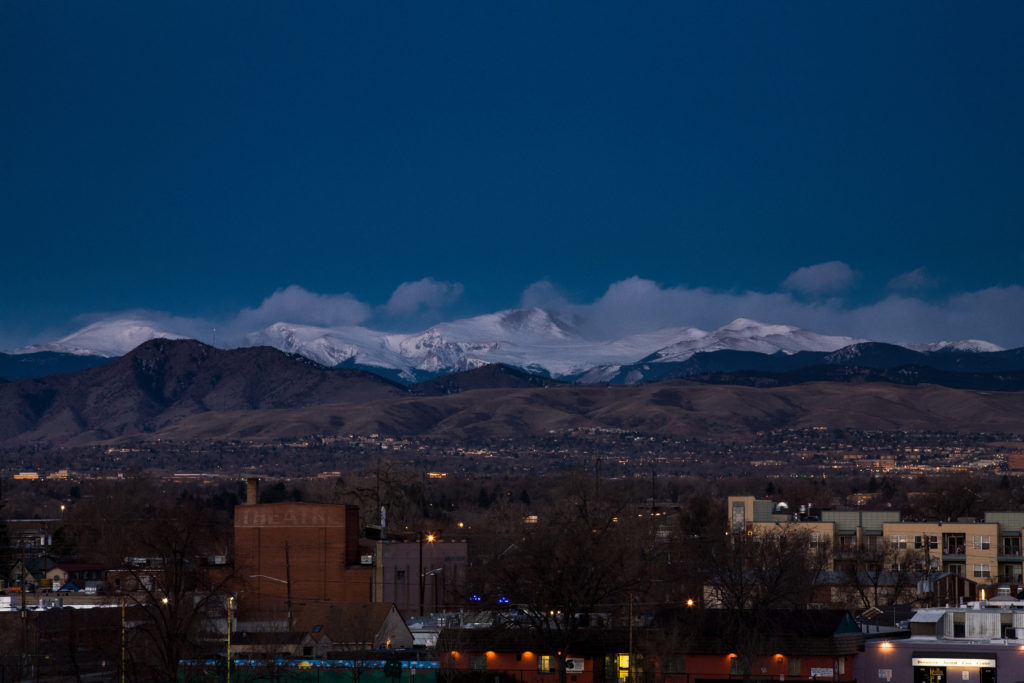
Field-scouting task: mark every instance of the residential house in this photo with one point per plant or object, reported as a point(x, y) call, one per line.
point(330, 629)
point(77, 576)
point(32, 571)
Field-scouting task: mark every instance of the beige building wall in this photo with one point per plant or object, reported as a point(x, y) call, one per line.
point(988, 552)
point(970, 549)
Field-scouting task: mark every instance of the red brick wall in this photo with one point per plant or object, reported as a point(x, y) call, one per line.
point(323, 560)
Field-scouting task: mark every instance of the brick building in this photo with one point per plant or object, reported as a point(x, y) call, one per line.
point(304, 552)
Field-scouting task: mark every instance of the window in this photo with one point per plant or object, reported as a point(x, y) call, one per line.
point(674, 664)
point(931, 541)
point(982, 571)
point(546, 664)
point(982, 542)
point(953, 544)
point(478, 662)
point(898, 542)
point(735, 666)
point(817, 541)
point(794, 666)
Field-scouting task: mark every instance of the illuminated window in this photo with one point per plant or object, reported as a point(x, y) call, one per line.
point(546, 664)
point(624, 662)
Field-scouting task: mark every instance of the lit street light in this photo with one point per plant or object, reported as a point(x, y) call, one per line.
point(430, 539)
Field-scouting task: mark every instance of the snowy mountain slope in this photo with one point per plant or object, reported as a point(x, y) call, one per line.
point(534, 340)
point(530, 339)
point(108, 338)
point(968, 345)
point(744, 334)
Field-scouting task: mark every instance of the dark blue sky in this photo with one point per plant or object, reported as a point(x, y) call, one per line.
point(195, 157)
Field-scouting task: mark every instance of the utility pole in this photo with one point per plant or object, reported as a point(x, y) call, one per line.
point(421, 573)
point(24, 613)
point(288, 581)
point(430, 539)
point(230, 600)
point(630, 617)
point(123, 648)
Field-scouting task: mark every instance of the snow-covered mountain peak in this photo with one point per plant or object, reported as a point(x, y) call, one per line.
point(517, 325)
point(968, 345)
point(534, 339)
point(109, 338)
point(744, 334)
point(753, 328)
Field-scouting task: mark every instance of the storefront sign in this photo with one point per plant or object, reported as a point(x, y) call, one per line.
point(821, 673)
point(950, 661)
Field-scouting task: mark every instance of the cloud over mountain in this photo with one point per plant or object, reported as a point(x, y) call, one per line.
point(831, 277)
point(916, 279)
point(297, 305)
point(632, 306)
point(428, 293)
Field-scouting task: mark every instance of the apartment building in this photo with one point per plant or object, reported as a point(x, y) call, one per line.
point(987, 551)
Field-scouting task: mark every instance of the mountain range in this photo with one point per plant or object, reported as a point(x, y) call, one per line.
point(534, 340)
point(183, 390)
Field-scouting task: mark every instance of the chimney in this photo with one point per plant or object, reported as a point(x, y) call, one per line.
point(252, 490)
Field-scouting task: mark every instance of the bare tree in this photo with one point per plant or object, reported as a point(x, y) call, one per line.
point(756, 577)
point(178, 600)
point(878, 574)
point(583, 557)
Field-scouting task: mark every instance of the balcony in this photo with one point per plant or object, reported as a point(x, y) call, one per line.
point(1010, 548)
point(953, 547)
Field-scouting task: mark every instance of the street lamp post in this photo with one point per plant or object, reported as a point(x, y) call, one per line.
point(288, 585)
point(434, 573)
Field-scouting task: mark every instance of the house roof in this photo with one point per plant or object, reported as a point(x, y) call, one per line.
point(80, 567)
point(687, 631)
point(344, 622)
point(267, 637)
point(810, 632)
point(39, 565)
point(521, 639)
